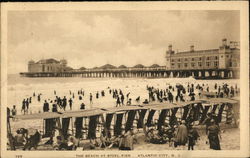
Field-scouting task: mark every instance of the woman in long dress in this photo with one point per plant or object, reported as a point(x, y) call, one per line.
point(213, 136)
point(182, 135)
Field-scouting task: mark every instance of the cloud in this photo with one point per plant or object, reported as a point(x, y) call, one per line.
point(95, 38)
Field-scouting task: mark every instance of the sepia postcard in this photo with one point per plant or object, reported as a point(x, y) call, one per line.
point(125, 79)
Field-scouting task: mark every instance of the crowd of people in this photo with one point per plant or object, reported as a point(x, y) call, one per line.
point(177, 93)
point(175, 134)
point(25, 141)
point(161, 95)
point(182, 135)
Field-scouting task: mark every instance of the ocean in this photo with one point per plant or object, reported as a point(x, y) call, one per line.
point(20, 88)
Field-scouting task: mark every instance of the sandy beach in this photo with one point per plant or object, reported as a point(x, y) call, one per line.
point(20, 88)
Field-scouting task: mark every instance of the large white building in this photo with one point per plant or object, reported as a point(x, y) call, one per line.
point(48, 65)
point(225, 57)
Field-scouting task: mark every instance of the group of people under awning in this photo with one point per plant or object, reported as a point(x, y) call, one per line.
point(180, 134)
point(183, 134)
point(124, 141)
point(23, 140)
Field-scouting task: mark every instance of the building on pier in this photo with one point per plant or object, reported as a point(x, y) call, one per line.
point(48, 65)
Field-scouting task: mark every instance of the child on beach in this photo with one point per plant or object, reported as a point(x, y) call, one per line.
point(13, 111)
point(192, 137)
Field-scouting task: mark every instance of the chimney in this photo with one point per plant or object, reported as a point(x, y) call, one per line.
point(224, 42)
point(170, 48)
point(192, 48)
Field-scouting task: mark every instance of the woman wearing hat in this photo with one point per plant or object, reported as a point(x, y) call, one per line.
point(182, 134)
point(213, 135)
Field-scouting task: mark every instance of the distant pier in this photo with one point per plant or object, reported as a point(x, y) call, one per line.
point(219, 63)
point(140, 73)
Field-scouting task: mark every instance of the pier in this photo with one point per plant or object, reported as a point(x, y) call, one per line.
point(140, 73)
point(219, 63)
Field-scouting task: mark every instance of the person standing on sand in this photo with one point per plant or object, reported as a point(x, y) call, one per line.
point(45, 106)
point(97, 95)
point(192, 137)
point(170, 97)
point(23, 106)
point(129, 140)
point(215, 86)
point(182, 135)
point(114, 94)
point(59, 102)
point(90, 98)
point(13, 112)
point(39, 97)
point(27, 104)
point(122, 99)
point(30, 100)
point(118, 102)
point(213, 135)
point(64, 102)
point(54, 107)
point(82, 107)
point(70, 103)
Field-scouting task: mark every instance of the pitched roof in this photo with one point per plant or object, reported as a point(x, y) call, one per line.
point(122, 66)
point(108, 66)
point(139, 66)
point(82, 68)
point(154, 66)
point(48, 61)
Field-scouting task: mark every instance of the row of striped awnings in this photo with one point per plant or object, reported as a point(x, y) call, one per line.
point(118, 124)
point(92, 114)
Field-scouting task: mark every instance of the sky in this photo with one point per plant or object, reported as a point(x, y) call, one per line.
point(95, 38)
